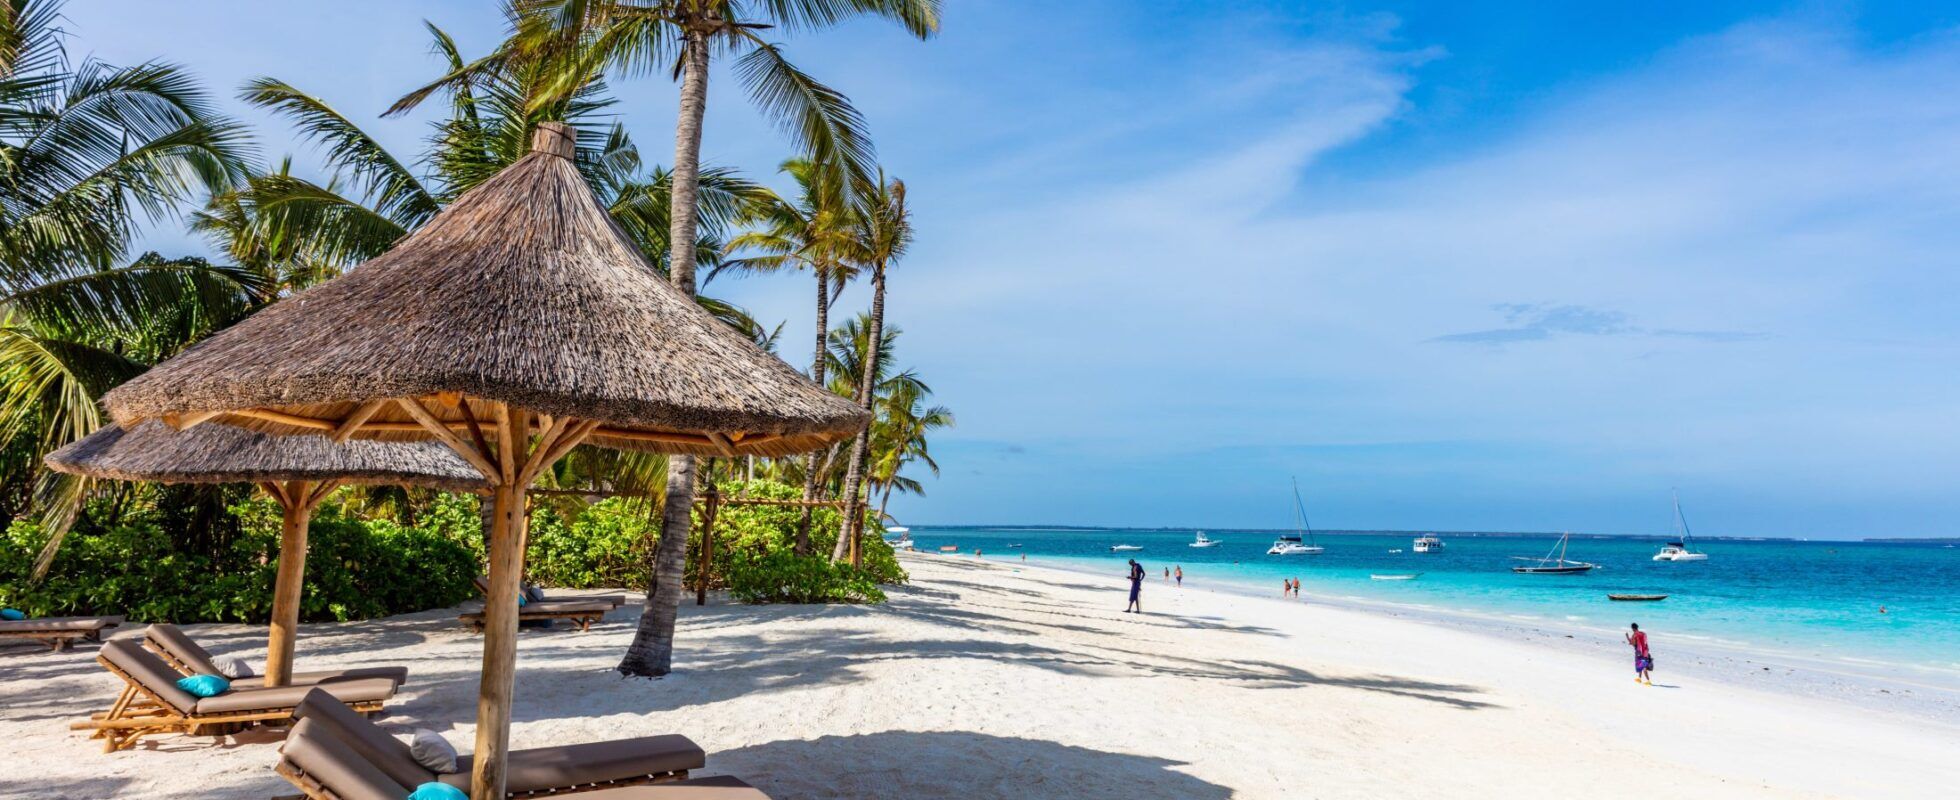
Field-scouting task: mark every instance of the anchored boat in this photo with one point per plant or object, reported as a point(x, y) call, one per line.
point(1677, 550)
point(1301, 543)
point(1550, 565)
point(1205, 541)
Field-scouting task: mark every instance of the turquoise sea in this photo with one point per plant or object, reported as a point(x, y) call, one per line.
point(1817, 600)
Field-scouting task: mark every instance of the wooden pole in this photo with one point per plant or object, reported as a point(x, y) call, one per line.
point(707, 544)
point(493, 701)
point(295, 500)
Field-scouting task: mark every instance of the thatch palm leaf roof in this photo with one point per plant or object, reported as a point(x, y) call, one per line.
point(153, 451)
point(521, 292)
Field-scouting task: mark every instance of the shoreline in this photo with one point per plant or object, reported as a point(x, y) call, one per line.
point(1884, 687)
point(990, 679)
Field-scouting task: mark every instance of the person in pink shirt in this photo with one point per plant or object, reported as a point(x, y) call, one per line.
point(1643, 659)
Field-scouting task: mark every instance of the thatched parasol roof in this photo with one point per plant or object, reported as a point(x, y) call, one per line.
point(153, 451)
point(523, 292)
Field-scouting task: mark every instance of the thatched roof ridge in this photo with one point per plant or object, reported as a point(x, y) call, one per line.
point(521, 291)
point(153, 451)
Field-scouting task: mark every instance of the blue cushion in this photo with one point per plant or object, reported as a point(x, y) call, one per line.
point(437, 791)
point(521, 600)
point(12, 614)
point(205, 685)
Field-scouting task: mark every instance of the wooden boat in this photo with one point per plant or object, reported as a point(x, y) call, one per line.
point(1553, 565)
point(1636, 598)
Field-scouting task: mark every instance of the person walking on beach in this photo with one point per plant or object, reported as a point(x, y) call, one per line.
point(1180, 574)
point(1136, 588)
point(1643, 659)
point(1286, 587)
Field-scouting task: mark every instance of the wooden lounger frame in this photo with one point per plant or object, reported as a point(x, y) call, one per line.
point(56, 640)
point(138, 712)
point(583, 619)
point(313, 790)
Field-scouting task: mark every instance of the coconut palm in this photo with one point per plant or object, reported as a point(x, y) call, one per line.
point(899, 438)
point(644, 36)
point(882, 232)
point(89, 151)
point(812, 233)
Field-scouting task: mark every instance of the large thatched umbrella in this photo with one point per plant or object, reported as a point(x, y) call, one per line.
point(517, 324)
point(297, 471)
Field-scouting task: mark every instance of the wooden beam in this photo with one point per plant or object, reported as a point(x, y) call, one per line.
point(546, 440)
point(722, 443)
point(513, 435)
point(476, 430)
point(654, 436)
point(286, 589)
point(494, 690)
point(278, 493)
point(321, 491)
point(354, 421)
point(284, 418)
point(442, 432)
point(187, 421)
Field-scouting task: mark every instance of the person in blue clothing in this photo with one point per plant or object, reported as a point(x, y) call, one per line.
point(1136, 588)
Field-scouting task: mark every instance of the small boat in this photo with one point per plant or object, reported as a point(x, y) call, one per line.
point(898, 529)
point(1550, 565)
point(1636, 598)
point(1015, 546)
point(1395, 551)
point(1125, 548)
point(903, 542)
point(1428, 544)
point(1205, 541)
point(1297, 544)
point(949, 548)
point(1394, 576)
point(1677, 550)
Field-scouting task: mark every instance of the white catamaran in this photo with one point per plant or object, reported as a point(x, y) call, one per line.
point(1301, 543)
point(1677, 550)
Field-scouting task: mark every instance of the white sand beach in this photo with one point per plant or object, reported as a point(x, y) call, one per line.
point(989, 679)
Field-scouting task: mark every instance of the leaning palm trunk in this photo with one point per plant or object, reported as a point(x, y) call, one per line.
point(851, 528)
point(816, 374)
point(652, 652)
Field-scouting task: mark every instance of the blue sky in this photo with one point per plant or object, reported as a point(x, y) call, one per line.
point(1495, 266)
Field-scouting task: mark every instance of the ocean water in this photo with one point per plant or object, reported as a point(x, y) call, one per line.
point(1816, 600)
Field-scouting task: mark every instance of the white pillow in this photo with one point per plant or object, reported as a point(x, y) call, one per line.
point(429, 749)
point(240, 668)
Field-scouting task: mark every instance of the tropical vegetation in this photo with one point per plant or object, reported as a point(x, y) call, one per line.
point(92, 155)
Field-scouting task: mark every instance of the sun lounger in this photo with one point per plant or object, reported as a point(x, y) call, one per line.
point(57, 632)
point(581, 611)
point(538, 595)
point(151, 703)
point(335, 754)
point(190, 658)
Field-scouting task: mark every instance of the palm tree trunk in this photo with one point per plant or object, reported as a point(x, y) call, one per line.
point(816, 374)
point(651, 653)
point(852, 525)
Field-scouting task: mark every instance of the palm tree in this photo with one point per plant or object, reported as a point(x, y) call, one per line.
point(900, 439)
point(85, 151)
point(882, 233)
point(813, 233)
point(642, 36)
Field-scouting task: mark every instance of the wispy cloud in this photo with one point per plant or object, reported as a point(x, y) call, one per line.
point(1535, 322)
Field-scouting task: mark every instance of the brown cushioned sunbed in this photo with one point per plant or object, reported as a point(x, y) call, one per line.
point(57, 632)
point(581, 611)
point(190, 658)
point(335, 754)
point(151, 703)
point(534, 594)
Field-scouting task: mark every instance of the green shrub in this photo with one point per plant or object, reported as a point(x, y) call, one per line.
point(782, 577)
point(754, 553)
point(605, 544)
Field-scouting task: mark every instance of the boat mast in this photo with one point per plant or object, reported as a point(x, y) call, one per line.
point(1680, 520)
point(1300, 510)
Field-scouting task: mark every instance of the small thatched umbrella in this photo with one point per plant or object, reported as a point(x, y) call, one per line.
point(296, 470)
point(515, 325)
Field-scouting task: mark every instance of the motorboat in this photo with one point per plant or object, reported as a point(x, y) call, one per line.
point(1205, 541)
point(903, 542)
point(1553, 564)
point(1300, 543)
point(1677, 550)
point(1428, 544)
point(1125, 548)
point(1394, 576)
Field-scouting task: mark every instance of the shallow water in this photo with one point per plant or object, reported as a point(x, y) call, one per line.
point(1812, 599)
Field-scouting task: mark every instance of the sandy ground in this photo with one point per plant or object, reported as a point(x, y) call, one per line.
point(997, 680)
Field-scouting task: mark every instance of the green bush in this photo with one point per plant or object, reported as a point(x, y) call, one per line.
point(754, 553)
point(781, 577)
point(354, 570)
point(606, 544)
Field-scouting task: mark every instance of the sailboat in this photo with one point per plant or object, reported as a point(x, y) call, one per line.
point(1677, 550)
point(1301, 543)
point(1550, 565)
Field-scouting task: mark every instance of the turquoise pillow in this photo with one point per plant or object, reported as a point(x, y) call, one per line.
point(204, 685)
point(437, 791)
point(12, 614)
point(521, 600)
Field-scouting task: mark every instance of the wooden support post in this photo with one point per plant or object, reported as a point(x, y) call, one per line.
point(707, 544)
point(493, 700)
point(296, 500)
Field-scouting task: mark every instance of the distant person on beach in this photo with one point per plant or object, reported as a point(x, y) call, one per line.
point(1136, 587)
point(1643, 659)
point(976, 552)
point(1285, 587)
point(1180, 574)
point(1167, 573)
